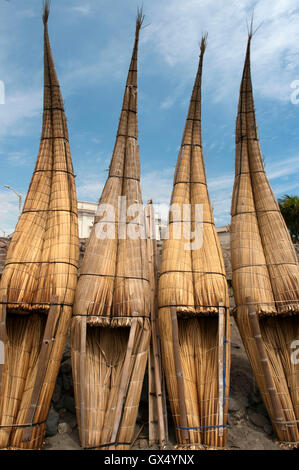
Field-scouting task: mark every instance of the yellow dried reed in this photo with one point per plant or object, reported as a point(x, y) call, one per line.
point(112, 299)
point(114, 274)
point(193, 280)
point(265, 269)
point(40, 270)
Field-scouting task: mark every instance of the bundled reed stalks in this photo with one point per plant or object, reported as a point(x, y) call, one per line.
point(265, 274)
point(193, 299)
point(111, 327)
point(39, 278)
point(157, 407)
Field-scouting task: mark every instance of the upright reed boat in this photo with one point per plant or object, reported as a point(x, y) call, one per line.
point(193, 299)
point(265, 275)
point(111, 326)
point(39, 278)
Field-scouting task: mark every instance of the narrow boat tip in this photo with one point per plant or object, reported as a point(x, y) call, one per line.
point(250, 30)
point(203, 43)
point(139, 19)
point(46, 10)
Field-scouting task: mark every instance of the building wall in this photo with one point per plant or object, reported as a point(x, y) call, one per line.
point(223, 234)
point(4, 243)
point(86, 215)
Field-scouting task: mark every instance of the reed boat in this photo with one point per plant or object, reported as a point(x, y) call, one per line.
point(39, 278)
point(265, 275)
point(193, 298)
point(110, 331)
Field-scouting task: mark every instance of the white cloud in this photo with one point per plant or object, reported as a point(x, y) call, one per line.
point(105, 63)
point(167, 103)
point(285, 188)
point(28, 13)
point(289, 166)
point(157, 185)
point(90, 186)
point(82, 9)
point(23, 85)
point(220, 182)
point(16, 158)
point(19, 105)
point(8, 211)
point(176, 28)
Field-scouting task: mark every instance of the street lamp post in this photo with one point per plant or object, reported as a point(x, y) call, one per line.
point(19, 197)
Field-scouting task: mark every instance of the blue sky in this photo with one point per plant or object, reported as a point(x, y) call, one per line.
point(92, 43)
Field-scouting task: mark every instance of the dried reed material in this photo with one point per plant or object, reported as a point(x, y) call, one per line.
point(194, 281)
point(105, 354)
point(42, 257)
point(114, 281)
point(251, 277)
point(198, 348)
point(278, 335)
point(22, 352)
point(112, 295)
point(157, 410)
point(265, 269)
point(41, 263)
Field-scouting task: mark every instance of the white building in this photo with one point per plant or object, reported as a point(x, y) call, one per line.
point(223, 234)
point(86, 215)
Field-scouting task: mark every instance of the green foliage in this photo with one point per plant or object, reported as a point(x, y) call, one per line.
point(289, 206)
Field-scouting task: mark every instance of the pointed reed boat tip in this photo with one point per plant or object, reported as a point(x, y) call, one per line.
point(139, 19)
point(251, 31)
point(250, 28)
point(203, 43)
point(46, 10)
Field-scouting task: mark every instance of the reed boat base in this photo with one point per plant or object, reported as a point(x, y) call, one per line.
point(34, 346)
point(198, 344)
point(277, 335)
point(108, 370)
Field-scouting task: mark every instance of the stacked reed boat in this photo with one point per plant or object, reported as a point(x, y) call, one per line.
point(111, 327)
point(265, 275)
point(193, 299)
point(39, 279)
